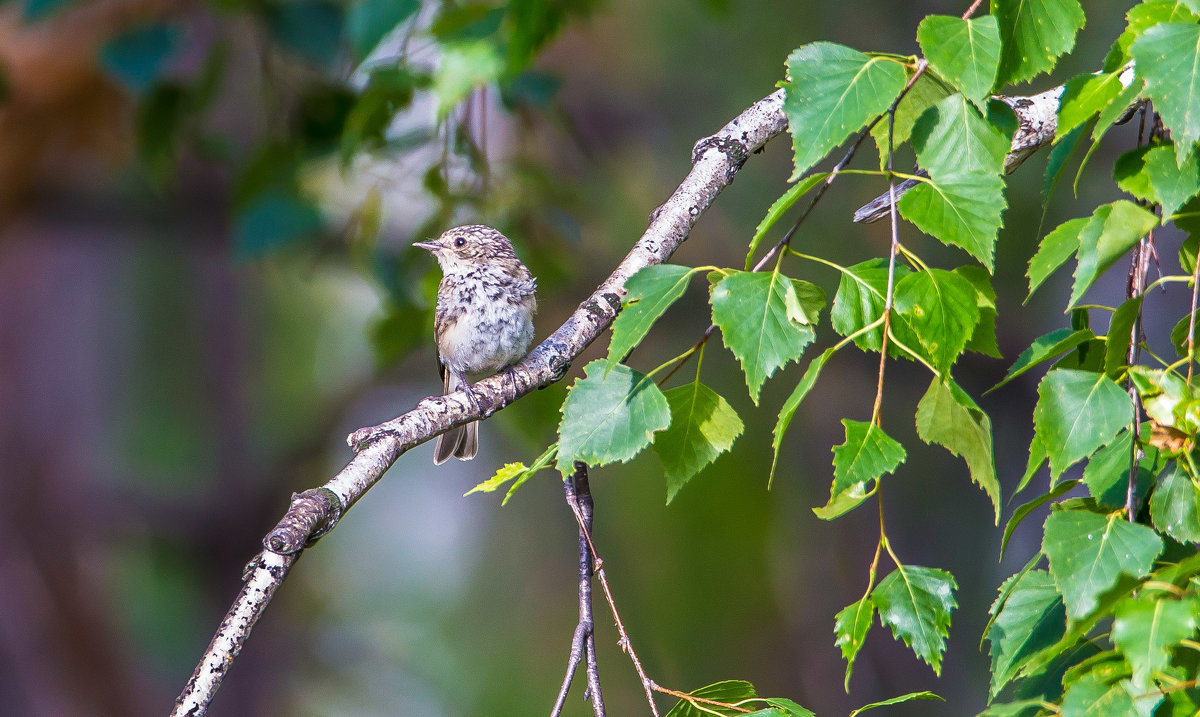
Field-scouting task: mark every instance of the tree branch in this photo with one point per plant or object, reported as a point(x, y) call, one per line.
point(715, 162)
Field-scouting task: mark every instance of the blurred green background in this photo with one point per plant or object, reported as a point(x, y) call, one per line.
point(205, 284)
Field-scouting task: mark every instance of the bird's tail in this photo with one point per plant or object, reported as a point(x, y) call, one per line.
point(461, 442)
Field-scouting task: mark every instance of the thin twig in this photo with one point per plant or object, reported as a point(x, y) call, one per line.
point(583, 643)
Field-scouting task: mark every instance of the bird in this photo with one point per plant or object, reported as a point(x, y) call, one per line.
point(483, 319)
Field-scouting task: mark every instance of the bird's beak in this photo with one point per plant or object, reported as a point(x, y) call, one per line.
point(428, 245)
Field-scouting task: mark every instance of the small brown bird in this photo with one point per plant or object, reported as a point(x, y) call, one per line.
point(483, 321)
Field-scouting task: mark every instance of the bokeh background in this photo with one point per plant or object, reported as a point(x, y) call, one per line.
point(205, 284)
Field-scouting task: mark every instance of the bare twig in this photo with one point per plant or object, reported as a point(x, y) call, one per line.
point(715, 162)
point(583, 643)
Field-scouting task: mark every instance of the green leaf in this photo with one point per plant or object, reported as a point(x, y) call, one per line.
point(1107, 472)
point(1147, 627)
point(851, 626)
point(1083, 97)
point(1140, 18)
point(834, 90)
point(792, 403)
point(465, 66)
point(1088, 552)
point(1034, 33)
point(965, 52)
point(941, 310)
point(1032, 618)
point(727, 691)
point(983, 338)
point(1110, 233)
point(860, 299)
point(947, 416)
point(766, 321)
point(136, 57)
point(779, 208)
point(951, 138)
point(609, 418)
point(1056, 248)
point(508, 472)
point(866, 455)
point(1091, 696)
point(1077, 412)
point(1175, 506)
point(703, 426)
point(1045, 348)
point(1037, 458)
point(916, 603)
point(1025, 509)
point(925, 93)
point(1129, 172)
point(1174, 184)
point(649, 293)
point(959, 208)
point(1120, 335)
point(923, 695)
point(369, 21)
point(782, 707)
point(1168, 58)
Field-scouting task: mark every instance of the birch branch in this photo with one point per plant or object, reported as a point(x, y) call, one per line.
point(715, 162)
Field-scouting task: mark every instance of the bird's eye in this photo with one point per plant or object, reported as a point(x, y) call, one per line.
point(460, 242)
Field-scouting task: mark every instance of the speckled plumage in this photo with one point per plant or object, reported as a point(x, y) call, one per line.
point(484, 316)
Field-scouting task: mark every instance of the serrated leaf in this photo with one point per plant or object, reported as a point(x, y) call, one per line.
point(900, 699)
point(952, 137)
point(778, 208)
point(1107, 472)
point(1077, 412)
point(941, 310)
point(947, 416)
point(916, 603)
point(1084, 97)
point(1140, 18)
point(1034, 34)
point(965, 52)
point(860, 299)
point(925, 93)
point(983, 338)
point(1045, 348)
point(1168, 58)
point(727, 691)
point(507, 472)
point(833, 91)
point(1088, 552)
point(782, 707)
point(1091, 696)
point(788, 411)
point(1032, 618)
point(1120, 336)
point(1055, 249)
point(1037, 458)
point(757, 315)
point(1057, 162)
point(609, 417)
point(1174, 184)
point(1111, 232)
point(649, 293)
point(1025, 509)
point(1146, 628)
point(866, 455)
point(959, 208)
point(703, 426)
point(851, 626)
point(1175, 506)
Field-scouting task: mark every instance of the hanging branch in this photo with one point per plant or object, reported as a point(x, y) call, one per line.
point(715, 162)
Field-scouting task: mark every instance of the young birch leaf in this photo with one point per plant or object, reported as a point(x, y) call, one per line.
point(983, 338)
point(1174, 184)
point(965, 52)
point(952, 137)
point(1083, 97)
point(1055, 249)
point(1045, 348)
point(867, 454)
point(609, 417)
point(1092, 696)
point(726, 691)
point(1140, 18)
point(947, 416)
point(1025, 509)
point(926, 93)
point(1129, 172)
point(782, 707)
point(1168, 58)
point(1034, 33)
point(778, 208)
point(1107, 473)
point(1088, 552)
point(916, 603)
point(1032, 618)
point(959, 208)
point(859, 301)
point(941, 311)
point(851, 626)
point(1077, 412)
point(923, 695)
point(1120, 335)
point(703, 426)
point(1146, 629)
point(766, 321)
point(791, 404)
point(1111, 232)
point(833, 91)
point(1175, 506)
point(1037, 458)
point(651, 292)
